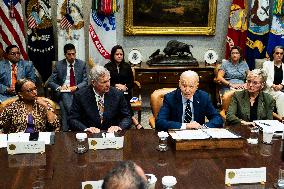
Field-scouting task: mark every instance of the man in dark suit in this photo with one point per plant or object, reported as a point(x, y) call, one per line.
point(187, 107)
point(68, 76)
point(13, 69)
point(99, 106)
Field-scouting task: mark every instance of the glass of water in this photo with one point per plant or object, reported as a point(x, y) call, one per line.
point(163, 142)
point(82, 145)
point(280, 182)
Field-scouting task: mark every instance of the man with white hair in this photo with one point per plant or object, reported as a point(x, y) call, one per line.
point(187, 107)
point(99, 106)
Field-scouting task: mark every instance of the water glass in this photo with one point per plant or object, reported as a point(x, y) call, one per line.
point(267, 135)
point(253, 138)
point(82, 145)
point(169, 182)
point(152, 179)
point(163, 143)
point(280, 182)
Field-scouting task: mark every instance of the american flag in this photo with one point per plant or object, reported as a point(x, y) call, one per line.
point(12, 28)
point(31, 22)
point(66, 22)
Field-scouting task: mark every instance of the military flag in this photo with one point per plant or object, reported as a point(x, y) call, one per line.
point(257, 37)
point(237, 27)
point(70, 27)
point(276, 35)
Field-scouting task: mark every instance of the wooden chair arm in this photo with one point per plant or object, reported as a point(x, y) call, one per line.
point(152, 122)
point(277, 117)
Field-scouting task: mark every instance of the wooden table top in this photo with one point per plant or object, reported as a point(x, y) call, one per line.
point(61, 167)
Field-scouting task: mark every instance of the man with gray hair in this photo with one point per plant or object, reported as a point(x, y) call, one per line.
point(127, 175)
point(99, 106)
point(187, 107)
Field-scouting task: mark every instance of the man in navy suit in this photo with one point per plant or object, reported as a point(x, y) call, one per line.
point(186, 107)
point(68, 76)
point(12, 70)
point(99, 106)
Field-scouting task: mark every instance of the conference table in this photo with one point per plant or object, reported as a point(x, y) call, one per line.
point(61, 167)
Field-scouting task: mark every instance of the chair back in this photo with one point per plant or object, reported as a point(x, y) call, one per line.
point(156, 102)
point(9, 101)
point(226, 99)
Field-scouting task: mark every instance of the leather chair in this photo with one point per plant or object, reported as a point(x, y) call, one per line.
point(156, 102)
point(137, 105)
point(226, 99)
point(9, 101)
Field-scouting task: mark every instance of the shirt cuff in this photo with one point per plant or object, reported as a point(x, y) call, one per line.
point(183, 126)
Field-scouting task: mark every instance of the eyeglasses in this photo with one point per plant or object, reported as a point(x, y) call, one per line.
point(30, 90)
point(279, 53)
point(253, 82)
point(14, 53)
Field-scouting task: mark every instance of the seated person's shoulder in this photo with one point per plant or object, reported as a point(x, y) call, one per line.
point(267, 96)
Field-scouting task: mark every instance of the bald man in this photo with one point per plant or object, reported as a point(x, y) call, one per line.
point(187, 107)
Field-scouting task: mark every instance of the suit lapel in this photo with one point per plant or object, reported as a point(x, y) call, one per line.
point(64, 70)
point(179, 105)
point(260, 106)
point(76, 71)
point(93, 104)
point(20, 70)
point(196, 102)
point(246, 105)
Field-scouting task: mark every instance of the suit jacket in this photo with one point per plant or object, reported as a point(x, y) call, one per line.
point(239, 108)
point(268, 67)
point(25, 69)
point(84, 110)
point(124, 76)
point(59, 73)
point(170, 114)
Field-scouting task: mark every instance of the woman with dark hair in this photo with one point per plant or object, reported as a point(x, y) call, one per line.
point(121, 76)
point(275, 78)
point(29, 113)
point(232, 73)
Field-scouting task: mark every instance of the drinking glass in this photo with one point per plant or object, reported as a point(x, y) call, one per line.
point(253, 138)
point(82, 145)
point(163, 143)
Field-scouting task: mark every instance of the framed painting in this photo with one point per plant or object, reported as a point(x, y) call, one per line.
point(170, 17)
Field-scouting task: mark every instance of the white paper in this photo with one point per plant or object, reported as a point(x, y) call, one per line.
point(220, 133)
point(191, 134)
point(109, 135)
point(45, 137)
point(18, 137)
point(65, 91)
point(3, 140)
point(275, 124)
point(245, 175)
point(95, 184)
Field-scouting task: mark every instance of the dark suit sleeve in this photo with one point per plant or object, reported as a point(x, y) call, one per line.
point(163, 121)
point(130, 81)
point(53, 79)
point(84, 75)
point(125, 121)
point(231, 117)
point(75, 115)
point(212, 115)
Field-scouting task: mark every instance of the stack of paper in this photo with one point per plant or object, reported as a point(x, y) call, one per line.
point(202, 134)
point(275, 124)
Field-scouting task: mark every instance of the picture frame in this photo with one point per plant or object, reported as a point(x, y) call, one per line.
point(171, 17)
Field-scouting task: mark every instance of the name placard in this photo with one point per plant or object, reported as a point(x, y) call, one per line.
point(106, 143)
point(245, 175)
point(29, 147)
point(92, 184)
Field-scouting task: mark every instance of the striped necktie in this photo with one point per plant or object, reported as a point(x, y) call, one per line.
point(187, 112)
point(101, 107)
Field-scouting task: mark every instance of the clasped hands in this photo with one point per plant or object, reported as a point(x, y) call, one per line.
point(193, 125)
point(121, 87)
point(277, 87)
point(65, 87)
point(112, 129)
